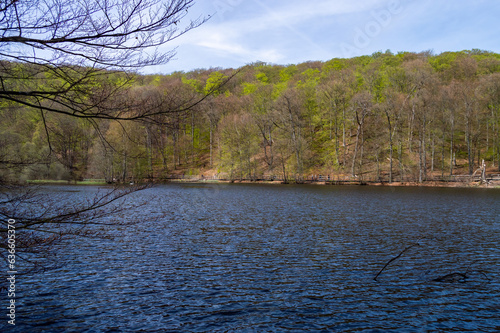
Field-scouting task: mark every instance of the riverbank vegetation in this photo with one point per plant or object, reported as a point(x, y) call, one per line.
point(385, 117)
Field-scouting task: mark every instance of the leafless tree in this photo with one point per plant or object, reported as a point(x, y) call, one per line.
point(77, 58)
point(57, 55)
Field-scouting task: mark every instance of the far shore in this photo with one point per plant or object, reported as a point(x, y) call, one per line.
point(490, 184)
point(430, 183)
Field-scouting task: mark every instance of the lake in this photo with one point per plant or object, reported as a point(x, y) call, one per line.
point(271, 258)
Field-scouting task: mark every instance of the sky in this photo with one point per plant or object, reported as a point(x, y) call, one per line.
point(284, 32)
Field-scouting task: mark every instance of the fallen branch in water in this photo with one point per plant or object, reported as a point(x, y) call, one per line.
point(459, 277)
point(395, 258)
point(452, 277)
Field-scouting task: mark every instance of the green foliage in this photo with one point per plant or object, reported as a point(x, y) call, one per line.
point(380, 83)
point(287, 73)
point(334, 65)
point(249, 88)
point(156, 80)
point(311, 74)
point(262, 77)
point(398, 79)
point(444, 61)
point(278, 89)
point(194, 83)
point(213, 83)
point(268, 73)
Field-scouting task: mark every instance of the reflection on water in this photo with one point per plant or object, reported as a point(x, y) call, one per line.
point(254, 258)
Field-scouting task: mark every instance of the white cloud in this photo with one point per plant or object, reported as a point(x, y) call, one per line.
point(249, 38)
point(222, 44)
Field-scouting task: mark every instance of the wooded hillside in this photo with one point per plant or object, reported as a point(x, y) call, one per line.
point(391, 117)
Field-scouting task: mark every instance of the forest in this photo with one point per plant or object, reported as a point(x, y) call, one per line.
point(383, 117)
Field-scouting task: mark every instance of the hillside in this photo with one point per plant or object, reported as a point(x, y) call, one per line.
point(406, 117)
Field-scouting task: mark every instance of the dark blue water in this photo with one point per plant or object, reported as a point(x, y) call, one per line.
point(255, 258)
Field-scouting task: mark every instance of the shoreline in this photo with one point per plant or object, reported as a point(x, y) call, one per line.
point(443, 184)
point(431, 183)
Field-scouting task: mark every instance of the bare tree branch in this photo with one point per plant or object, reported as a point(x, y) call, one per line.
point(395, 258)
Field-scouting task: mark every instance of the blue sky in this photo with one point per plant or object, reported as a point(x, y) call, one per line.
point(292, 31)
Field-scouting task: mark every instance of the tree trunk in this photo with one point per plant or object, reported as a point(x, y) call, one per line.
point(295, 139)
point(174, 148)
point(391, 147)
point(400, 157)
point(192, 137)
point(344, 144)
point(149, 151)
point(420, 161)
point(353, 166)
point(410, 128)
point(452, 153)
point(211, 147)
point(359, 132)
point(470, 155)
point(271, 153)
point(433, 153)
point(442, 153)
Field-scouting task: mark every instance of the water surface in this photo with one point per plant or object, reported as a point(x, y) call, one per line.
point(257, 258)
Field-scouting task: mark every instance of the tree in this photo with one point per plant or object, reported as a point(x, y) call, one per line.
point(466, 100)
point(75, 59)
point(264, 118)
point(362, 104)
point(70, 142)
point(391, 108)
point(290, 117)
point(334, 97)
point(239, 146)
